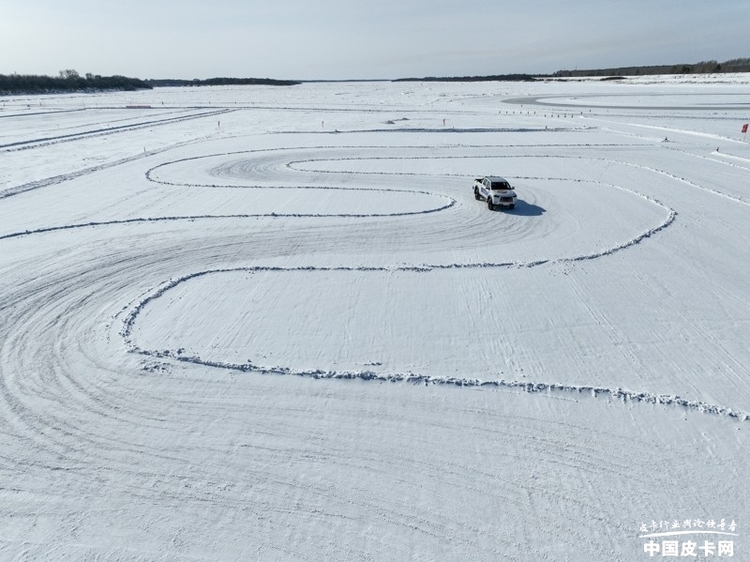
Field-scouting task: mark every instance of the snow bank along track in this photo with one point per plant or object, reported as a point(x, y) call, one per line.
point(185, 356)
point(286, 169)
point(272, 167)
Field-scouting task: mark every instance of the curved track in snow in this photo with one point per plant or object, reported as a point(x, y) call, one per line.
point(465, 384)
point(287, 169)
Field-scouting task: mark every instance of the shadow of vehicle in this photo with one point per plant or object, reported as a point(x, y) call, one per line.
point(526, 209)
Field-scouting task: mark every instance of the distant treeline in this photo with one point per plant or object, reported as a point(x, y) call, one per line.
point(68, 81)
point(494, 78)
point(222, 82)
point(705, 67)
point(71, 81)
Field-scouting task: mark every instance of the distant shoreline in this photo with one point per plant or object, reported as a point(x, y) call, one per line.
point(70, 81)
point(168, 82)
point(706, 67)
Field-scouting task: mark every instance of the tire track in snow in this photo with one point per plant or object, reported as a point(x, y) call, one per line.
point(528, 387)
point(46, 141)
point(686, 181)
point(397, 377)
point(80, 451)
point(619, 394)
point(54, 180)
point(190, 218)
point(670, 217)
point(449, 201)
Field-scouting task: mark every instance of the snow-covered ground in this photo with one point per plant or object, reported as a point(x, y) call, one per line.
point(261, 323)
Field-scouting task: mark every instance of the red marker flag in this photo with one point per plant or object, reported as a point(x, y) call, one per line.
point(744, 128)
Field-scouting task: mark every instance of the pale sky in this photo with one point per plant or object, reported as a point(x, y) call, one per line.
point(362, 39)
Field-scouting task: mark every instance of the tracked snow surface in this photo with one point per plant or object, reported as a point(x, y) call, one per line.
point(273, 323)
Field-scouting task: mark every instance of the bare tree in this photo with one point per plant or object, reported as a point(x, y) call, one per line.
point(69, 74)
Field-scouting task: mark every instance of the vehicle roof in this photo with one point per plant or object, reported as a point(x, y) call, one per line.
point(497, 179)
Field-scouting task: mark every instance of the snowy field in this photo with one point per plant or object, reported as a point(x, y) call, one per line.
point(272, 323)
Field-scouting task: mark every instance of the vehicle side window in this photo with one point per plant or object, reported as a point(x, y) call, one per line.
point(485, 181)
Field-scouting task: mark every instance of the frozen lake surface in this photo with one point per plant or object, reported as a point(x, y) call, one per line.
point(273, 323)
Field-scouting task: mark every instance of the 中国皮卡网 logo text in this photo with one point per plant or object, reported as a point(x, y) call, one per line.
point(690, 538)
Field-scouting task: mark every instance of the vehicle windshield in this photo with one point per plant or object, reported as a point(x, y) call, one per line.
point(500, 185)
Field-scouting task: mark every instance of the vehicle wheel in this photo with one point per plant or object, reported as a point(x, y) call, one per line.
point(476, 195)
point(513, 206)
point(490, 206)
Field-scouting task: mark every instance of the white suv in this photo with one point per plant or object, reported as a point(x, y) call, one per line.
point(496, 191)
